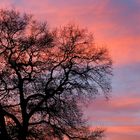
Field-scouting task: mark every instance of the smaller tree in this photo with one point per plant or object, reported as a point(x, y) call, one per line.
point(44, 75)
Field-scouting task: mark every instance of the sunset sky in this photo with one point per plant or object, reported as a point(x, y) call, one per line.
point(116, 25)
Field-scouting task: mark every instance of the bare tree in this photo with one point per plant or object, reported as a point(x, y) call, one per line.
point(44, 75)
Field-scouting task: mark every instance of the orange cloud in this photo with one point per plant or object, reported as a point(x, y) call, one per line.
point(121, 132)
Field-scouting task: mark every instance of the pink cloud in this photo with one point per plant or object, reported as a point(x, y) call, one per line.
point(99, 16)
point(5, 4)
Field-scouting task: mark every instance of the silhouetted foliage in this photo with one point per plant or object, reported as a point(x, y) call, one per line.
point(44, 75)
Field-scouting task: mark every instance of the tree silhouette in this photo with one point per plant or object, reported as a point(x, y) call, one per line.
point(44, 76)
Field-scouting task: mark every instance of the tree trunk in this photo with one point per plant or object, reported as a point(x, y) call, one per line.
point(3, 131)
point(24, 131)
point(22, 134)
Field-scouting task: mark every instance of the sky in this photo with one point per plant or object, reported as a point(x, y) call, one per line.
point(116, 25)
